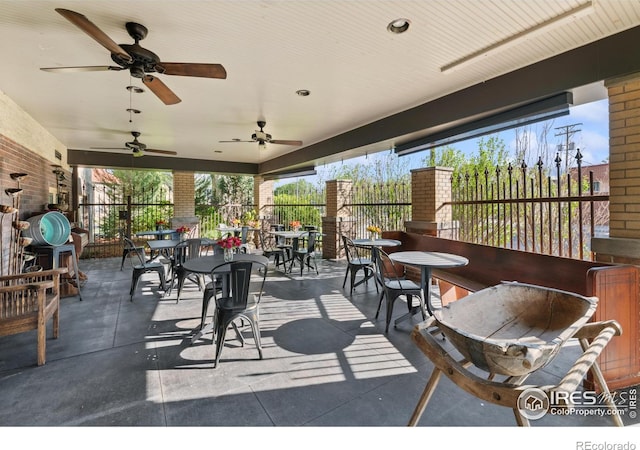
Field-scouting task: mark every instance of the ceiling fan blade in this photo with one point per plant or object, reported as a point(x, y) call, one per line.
point(81, 69)
point(193, 70)
point(235, 140)
point(164, 152)
point(161, 90)
point(92, 30)
point(108, 148)
point(280, 141)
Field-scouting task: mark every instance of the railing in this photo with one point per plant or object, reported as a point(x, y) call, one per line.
point(211, 216)
point(385, 205)
point(528, 209)
point(107, 212)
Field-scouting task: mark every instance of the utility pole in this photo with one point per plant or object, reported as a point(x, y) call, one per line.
point(567, 131)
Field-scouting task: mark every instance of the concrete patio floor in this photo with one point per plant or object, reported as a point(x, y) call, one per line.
point(327, 362)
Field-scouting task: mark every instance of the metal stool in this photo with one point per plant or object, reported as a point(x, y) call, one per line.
point(54, 252)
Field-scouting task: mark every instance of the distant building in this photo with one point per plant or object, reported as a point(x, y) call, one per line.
point(600, 187)
point(600, 177)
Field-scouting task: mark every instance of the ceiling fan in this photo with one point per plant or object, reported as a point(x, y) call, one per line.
point(263, 138)
point(137, 147)
point(138, 60)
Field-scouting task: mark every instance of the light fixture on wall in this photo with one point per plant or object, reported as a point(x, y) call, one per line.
point(543, 27)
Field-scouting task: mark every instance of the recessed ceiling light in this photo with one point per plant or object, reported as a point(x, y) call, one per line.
point(398, 26)
point(303, 92)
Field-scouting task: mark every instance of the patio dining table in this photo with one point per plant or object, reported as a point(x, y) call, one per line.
point(157, 234)
point(205, 264)
point(163, 246)
point(294, 237)
point(427, 261)
point(374, 245)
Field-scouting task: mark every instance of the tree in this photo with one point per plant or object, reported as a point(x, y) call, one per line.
point(145, 187)
point(221, 198)
point(297, 201)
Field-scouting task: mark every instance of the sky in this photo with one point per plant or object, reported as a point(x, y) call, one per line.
point(591, 122)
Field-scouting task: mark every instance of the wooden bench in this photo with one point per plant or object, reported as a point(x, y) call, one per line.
point(616, 286)
point(27, 302)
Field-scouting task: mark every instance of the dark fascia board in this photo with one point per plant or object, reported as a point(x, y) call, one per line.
point(553, 106)
point(613, 56)
point(292, 173)
point(126, 161)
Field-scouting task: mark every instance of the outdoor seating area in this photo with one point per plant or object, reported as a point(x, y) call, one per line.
point(325, 361)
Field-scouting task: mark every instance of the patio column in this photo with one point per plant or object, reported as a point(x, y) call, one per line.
point(430, 193)
point(623, 243)
point(263, 199)
point(338, 220)
point(184, 207)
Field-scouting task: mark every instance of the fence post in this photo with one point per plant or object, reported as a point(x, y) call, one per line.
point(430, 203)
point(338, 219)
point(263, 198)
point(184, 208)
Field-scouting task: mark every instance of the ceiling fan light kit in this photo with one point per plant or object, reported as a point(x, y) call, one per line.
point(137, 59)
point(136, 147)
point(263, 138)
point(142, 63)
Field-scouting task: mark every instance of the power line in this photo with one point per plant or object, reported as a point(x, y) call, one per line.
point(567, 131)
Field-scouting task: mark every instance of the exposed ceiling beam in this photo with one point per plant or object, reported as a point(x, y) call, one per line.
point(127, 161)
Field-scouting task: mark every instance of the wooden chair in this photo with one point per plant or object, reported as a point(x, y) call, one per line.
point(27, 302)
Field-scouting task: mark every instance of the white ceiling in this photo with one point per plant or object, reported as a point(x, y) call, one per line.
point(357, 72)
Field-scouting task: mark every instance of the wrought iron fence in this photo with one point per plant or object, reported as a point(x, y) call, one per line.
point(385, 205)
point(211, 216)
point(304, 203)
point(109, 212)
point(530, 209)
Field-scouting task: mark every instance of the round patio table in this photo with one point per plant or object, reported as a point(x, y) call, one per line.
point(374, 245)
point(427, 261)
point(205, 264)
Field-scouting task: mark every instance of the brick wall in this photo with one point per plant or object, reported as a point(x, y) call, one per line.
point(338, 220)
point(263, 197)
point(184, 202)
point(623, 244)
point(184, 194)
point(430, 190)
point(14, 158)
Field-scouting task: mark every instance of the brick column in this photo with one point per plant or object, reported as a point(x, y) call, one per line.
point(263, 199)
point(623, 243)
point(430, 190)
point(338, 219)
point(184, 207)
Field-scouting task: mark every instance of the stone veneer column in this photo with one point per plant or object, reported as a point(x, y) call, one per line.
point(623, 243)
point(430, 191)
point(339, 219)
point(263, 199)
point(184, 207)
